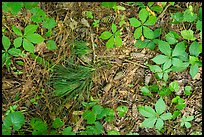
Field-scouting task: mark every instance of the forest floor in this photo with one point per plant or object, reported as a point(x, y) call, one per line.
point(116, 82)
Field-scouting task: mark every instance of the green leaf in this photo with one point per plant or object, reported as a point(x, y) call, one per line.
point(35, 38)
point(187, 90)
point(114, 28)
point(149, 122)
point(180, 68)
point(143, 15)
point(134, 22)
point(89, 116)
point(97, 109)
point(15, 7)
point(166, 116)
point(110, 115)
point(151, 21)
point(118, 33)
point(17, 30)
point(147, 111)
point(157, 32)
point(188, 15)
point(6, 42)
point(188, 34)
point(165, 76)
point(30, 5)
point(148, 33)
point(145, 91)
point(160, 59)
point(194, 49)
point(189, 118)
point(103, 113)
point(122, 110)
point(199, 25)
point(38, 15)
point(110, 43)
point(17, 42)
point(156, 8)
point(108, 4)
point(118, 41)
point(51, 45)
point(28, 46)
point(167, 64)
point(159, 124)
point(178, 17)
point(177, 62)
point(174, 86)
point(171, 38)
point(180, 106)
point(193, 70)
point(155, 68)
point(15, 52)
point(164, 47)
point(49, 23)
point(175, 114)
point(151, 45)
point(187, 124)
point(30, 29)
point(98, 128)
point(179, 50)
point(193, 60)
point(6, 130)
point(138, 32)
point(39, 126)
point(113, 132)
point(57, 123)
point(15, 119)
point(160, 106)
point(105, 35)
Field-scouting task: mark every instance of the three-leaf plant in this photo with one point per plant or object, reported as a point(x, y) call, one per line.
point(28, 38)
point(142, 25)
point(153, 116)
point(114, 37)
point(175, 57)
point(185, 121)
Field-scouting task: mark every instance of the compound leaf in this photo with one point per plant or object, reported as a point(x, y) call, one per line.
point(149, 122)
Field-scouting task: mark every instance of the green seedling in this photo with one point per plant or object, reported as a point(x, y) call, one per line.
point(142, 25)
point(13, 121)
point(39, 126)
point(149, 43)
point(88, 14)
point(122, 110)
point(180, 103)
point(187, 90)
point(96, 23)
point(113, 132)
point(11, 109)
point(195, 49)
point(160, 73)
point(8, 52)
point(186, 121)
point(176, 57)
point(68, 131)
point(114, 37)
point(34, 100)
point(153, 116)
